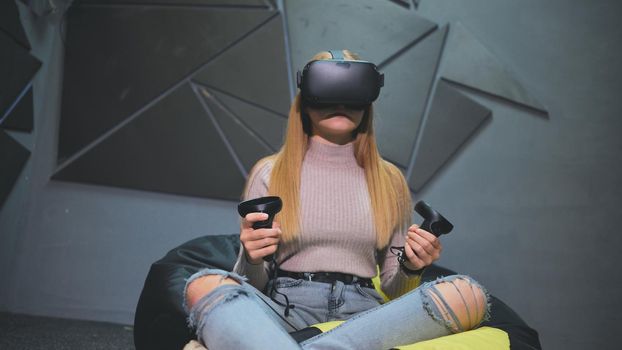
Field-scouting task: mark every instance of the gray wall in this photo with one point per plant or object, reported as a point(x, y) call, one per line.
point(77, 251)
point(534, 199)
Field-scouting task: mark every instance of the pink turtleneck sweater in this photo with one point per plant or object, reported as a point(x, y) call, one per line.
point(337, 231)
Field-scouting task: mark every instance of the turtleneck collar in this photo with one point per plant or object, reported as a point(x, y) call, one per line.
point(330, 154)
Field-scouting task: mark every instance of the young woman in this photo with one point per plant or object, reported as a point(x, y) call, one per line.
point(344, 207)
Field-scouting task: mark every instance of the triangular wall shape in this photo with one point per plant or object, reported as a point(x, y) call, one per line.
point(267, 126)
point(211, 3)
point(403, 99)
point(254, 70)
point(17, 67)
point(103, 84)
point(468, 62)
point(20, 118)
point(172, 147)
point(452, 120)
point(246, 146)
point(376, 30)
point(13, 157)
point(10, 23)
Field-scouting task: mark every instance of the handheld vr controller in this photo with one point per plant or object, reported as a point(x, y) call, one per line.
point(433, 222)
point(270, 205)
point(339, 81)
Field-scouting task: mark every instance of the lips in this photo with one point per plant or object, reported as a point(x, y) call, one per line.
point(340, 114)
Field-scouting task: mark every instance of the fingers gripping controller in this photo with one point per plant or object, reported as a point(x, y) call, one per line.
point(433, 222)
point(270, 205)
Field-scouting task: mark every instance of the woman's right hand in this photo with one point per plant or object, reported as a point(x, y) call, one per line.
point(260, 242)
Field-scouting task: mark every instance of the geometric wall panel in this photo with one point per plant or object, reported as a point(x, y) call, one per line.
point(13, 156)
point(404, 3)
point(266, 125)
point(10, 23)
point(404, 97)
point(452, 120)
point(246, 68)
point(151, 82)
point(236, 3)
point(119, 58)
point(468, 62)
point(246, 147)
point(21, 116)
point(17, 67)
point(171, 147)
point(375, 30)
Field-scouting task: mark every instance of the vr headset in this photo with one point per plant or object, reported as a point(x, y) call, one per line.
point(354, 84)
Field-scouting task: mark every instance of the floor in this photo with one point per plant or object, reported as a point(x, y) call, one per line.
point(33, 332)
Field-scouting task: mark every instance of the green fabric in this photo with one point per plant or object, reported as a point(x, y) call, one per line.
point(484, 338)
point(326, 326)
point(414, 282)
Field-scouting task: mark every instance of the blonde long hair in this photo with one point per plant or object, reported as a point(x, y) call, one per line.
point(389, 194)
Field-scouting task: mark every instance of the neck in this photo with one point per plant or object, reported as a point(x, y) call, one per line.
point(328, 154)
point(330, 139)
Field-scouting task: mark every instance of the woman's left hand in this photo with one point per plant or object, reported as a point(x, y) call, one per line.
point(421, 247)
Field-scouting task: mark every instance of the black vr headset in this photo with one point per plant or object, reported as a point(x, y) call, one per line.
point(354, 84)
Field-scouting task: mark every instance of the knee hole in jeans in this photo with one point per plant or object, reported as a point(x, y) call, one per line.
point(204, 285)
point(460, 303)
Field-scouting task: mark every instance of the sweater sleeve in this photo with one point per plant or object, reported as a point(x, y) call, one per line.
point(395, 282)
point(257, 186)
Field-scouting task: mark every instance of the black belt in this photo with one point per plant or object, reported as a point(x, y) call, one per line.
point(327, 277)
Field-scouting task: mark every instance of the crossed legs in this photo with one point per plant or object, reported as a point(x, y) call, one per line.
point(227, 314)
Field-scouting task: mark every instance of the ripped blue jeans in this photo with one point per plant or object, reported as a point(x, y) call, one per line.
point(242, 317)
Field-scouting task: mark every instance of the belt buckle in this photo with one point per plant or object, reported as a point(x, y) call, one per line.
point(308, 276)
